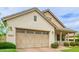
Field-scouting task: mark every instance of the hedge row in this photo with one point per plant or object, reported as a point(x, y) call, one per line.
point(71, 43)
point(7, 45)
point(67, 44)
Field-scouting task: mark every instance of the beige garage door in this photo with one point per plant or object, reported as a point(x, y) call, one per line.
point(31, 38)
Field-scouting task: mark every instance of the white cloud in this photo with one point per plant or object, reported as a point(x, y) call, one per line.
point(73, 24)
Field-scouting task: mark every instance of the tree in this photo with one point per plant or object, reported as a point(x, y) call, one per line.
point(3, 30)
point(77, 37)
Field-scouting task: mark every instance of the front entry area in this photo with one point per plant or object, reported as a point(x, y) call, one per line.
point(61, 37)
point(31, 38)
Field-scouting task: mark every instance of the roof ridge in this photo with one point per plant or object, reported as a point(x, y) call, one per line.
point(48, 10)
point(19, 12)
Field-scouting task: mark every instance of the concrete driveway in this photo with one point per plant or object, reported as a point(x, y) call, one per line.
point(42, 49)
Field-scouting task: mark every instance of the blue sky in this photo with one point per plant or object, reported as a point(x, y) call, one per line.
point(68, 15)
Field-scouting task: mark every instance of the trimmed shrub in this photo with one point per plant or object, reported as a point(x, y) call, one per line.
point(77, 43)
point(72, 44)
point(54, 45)
point(66, 44)
point(7, 45)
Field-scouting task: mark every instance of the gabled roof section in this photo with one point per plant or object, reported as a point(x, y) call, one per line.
point(20, 13)
point(28, 11)
point(48, 10)
point(42, 14)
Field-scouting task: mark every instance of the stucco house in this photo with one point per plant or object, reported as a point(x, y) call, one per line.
point(35, 28)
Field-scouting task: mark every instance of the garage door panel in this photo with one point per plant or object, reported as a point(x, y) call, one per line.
point(29, 39)
point(20, 40)
point(44, 45)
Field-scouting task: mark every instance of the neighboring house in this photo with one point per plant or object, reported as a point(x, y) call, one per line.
point(35, 28)
point(73, 36)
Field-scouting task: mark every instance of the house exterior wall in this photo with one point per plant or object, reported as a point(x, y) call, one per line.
point(27, 22)
point(53, 20)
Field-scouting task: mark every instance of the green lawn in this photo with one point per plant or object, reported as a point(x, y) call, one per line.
point(7, 50)
point(72, 49)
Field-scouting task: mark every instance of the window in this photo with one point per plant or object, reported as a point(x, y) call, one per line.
point(20, 31)
point(30, 32)
point(45, 32)
point(70, 39)
point(38, 32)
point(35, 18)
